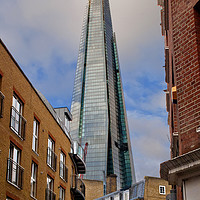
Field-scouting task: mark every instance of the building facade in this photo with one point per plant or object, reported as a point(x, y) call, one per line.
point(38, 158)
point(151, 188)
point(180, 21)
point(93, 189)
point(98, 109)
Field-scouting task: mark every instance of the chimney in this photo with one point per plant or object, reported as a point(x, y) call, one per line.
point(111, 183)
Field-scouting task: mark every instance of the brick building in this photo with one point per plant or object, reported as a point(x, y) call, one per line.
point(38, 158)
point(93, 189)
point(151, 188)
point(180, 22)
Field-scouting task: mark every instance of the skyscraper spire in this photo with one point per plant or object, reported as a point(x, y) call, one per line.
point(98, 109)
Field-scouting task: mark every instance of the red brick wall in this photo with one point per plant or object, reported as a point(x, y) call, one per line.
point(185, 33)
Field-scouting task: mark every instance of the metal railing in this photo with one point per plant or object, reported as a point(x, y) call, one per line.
point(78, 149)
point(63, 171)
point(14, 173)
point(1, 104)
point(78, 184)
point(49, 194)
point(51, 158)
point(18, 123)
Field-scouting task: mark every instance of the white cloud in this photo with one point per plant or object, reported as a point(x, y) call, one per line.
point(155, 103)
point(42, 28)
point(40, 34)
point(137, 27)
point(150, 144)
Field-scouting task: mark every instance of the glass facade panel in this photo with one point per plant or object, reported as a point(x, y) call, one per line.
point(98, 109)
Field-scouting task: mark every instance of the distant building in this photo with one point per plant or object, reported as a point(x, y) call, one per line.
point(150, 188)
point(98, 108)
point(39, 160)
point(93, 189)
point(180, 22)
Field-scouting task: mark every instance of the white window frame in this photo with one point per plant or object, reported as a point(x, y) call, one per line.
point(162, 190)
point(17, 104)
point(51, 147)
point(51, 143)
point(126, 195)
point(35, 135)
point(8, 198)
point(62, 165)
point(62, 193)
point(15, 116)
point(14, 154)
point(34, 169)
point(50, 183)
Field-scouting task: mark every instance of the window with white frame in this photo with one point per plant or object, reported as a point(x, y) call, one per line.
point(62, 165)
point(8, 198)
point(50, 195)
point(0, 81)
point(34, 168)
point(1, 99)
point(62, 193)
point(35, 135)
point(51, 156)
point(126, 195)
point(50, 183)
point(15, 171)
point(16, 112)
point(17, 120)
point(162, 189)
point(117, 197)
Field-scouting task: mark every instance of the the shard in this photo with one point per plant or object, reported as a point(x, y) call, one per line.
point(98, 109)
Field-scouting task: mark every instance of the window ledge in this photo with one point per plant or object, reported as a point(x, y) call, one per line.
point(51, 167)
point(33, 197)
point(14, 185)
point(16, 133)
point(63, 179)
point(35, 152)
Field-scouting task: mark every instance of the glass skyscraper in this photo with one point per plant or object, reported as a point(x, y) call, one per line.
point(98, 109)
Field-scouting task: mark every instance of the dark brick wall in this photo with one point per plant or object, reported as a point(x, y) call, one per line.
point(185, 21)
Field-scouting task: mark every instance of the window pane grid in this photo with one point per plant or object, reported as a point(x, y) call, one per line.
point(33, 179)
point(35, 135)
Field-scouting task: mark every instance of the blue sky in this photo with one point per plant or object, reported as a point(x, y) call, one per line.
point(43, 36)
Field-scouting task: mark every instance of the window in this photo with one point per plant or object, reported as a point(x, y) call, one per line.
point(34, 168)
point(50, 195)
point(18, 122)
point(8, 198)
point(126, 195)
point(1, 99)
point(35, 135)
point(50, 183)
point(51, 156)
point(1, 104)
point(62, 193)
point(67, 122)
point(117, 197)
point(63, 168)
point(0, 81)
point(15, 171)
point(162, 190)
